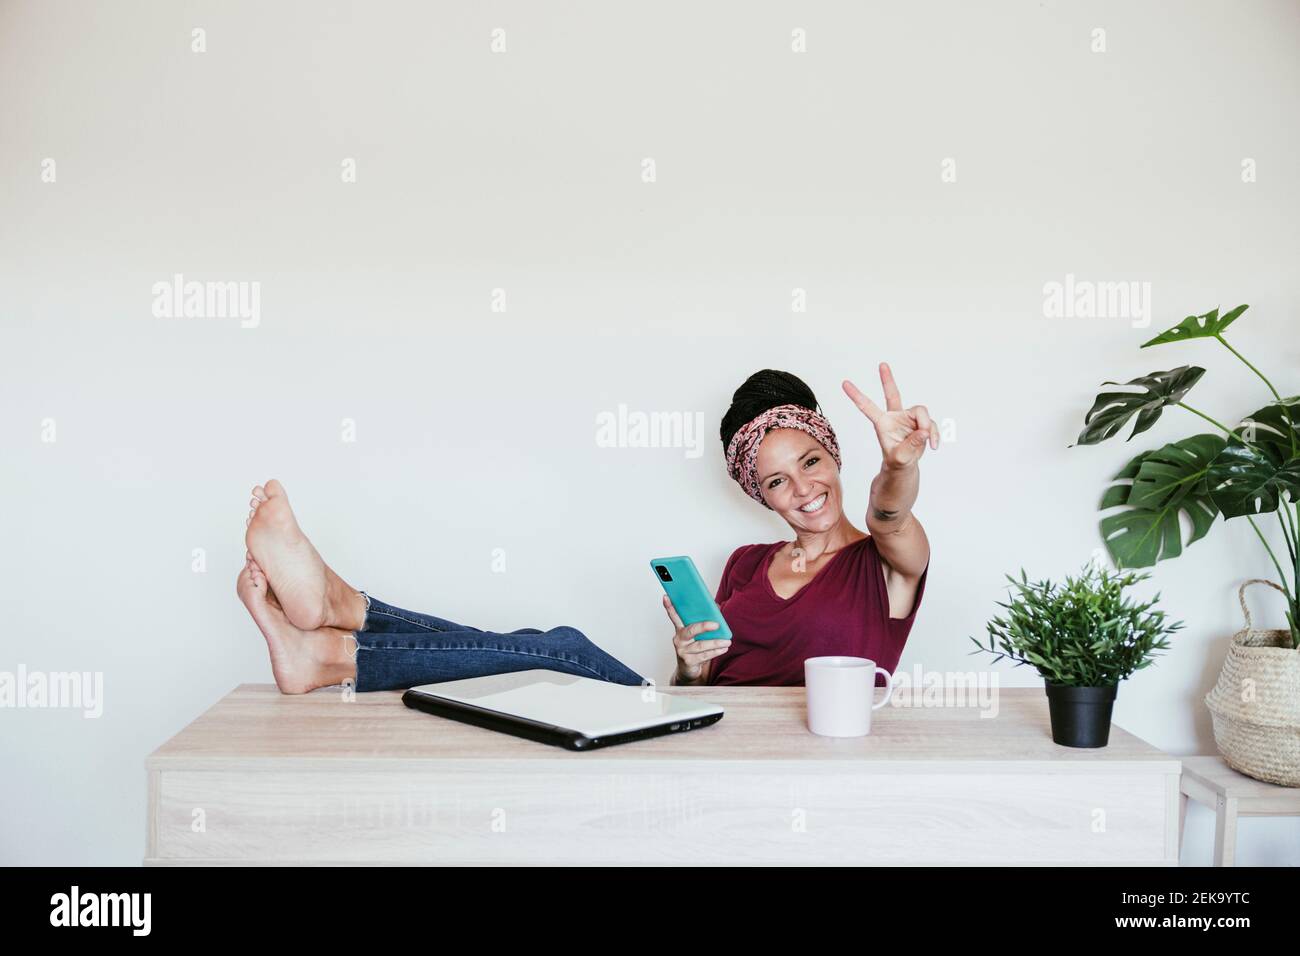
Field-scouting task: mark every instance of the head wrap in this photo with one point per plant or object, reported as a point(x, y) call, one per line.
point(742, 451)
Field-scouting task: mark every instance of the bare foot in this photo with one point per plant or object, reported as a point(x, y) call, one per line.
point(306, 588)
point(301, 661)
point(252, 565)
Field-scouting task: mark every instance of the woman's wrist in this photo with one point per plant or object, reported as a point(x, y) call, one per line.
point(683, 678)
point(895, 468)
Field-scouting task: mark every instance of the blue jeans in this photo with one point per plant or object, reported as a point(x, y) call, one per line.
point(397, 649)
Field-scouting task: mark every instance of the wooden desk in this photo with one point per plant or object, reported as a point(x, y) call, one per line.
point(317, 778)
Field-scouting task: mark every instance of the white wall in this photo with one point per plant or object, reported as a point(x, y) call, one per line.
point(476, 430)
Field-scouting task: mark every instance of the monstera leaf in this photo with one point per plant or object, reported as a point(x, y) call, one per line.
point(1207, 326)
point(1112, 409)
point(1165, 483)
point(1252, 479)
point(1277, 425)
point(1253, 476)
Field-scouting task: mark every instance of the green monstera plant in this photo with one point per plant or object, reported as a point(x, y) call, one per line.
point(1247, 471)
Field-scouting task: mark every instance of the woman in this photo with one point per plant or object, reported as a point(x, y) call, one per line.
point(833, 590)
point(321, 631)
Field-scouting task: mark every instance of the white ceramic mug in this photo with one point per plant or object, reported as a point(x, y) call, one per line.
point(839, 694)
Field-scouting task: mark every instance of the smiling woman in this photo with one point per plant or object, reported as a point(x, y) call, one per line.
point(834, 589)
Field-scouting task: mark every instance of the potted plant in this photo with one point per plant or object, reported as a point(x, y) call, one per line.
point(1084, 637)
point(1246, 472)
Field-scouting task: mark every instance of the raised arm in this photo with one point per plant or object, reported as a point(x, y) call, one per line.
point(903, 434)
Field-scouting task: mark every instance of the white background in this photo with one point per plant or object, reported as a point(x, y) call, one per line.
point(476, 430)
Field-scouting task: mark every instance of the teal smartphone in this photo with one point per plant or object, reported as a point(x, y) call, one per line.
point(690, 596)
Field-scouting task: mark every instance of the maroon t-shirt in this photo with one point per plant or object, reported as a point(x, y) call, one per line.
point(843, 610)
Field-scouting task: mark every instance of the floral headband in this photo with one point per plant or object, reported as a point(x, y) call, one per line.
point(742, 450)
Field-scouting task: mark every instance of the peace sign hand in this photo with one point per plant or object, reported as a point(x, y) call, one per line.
point(903, 432)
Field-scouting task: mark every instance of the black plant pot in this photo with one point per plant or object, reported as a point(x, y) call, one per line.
point(1080, 715)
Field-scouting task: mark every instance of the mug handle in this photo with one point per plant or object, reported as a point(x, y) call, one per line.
point(889, 688)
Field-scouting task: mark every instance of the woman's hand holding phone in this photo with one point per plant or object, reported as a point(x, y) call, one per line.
point(692, 654)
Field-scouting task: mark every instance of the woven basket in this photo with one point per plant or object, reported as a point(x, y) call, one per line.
point(1256, 702)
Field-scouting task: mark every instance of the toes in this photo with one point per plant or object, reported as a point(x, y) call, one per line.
point(273, 488)
point(254, 502)
point(259, 493)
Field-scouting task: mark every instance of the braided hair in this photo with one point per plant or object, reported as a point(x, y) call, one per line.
point(764, 389)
